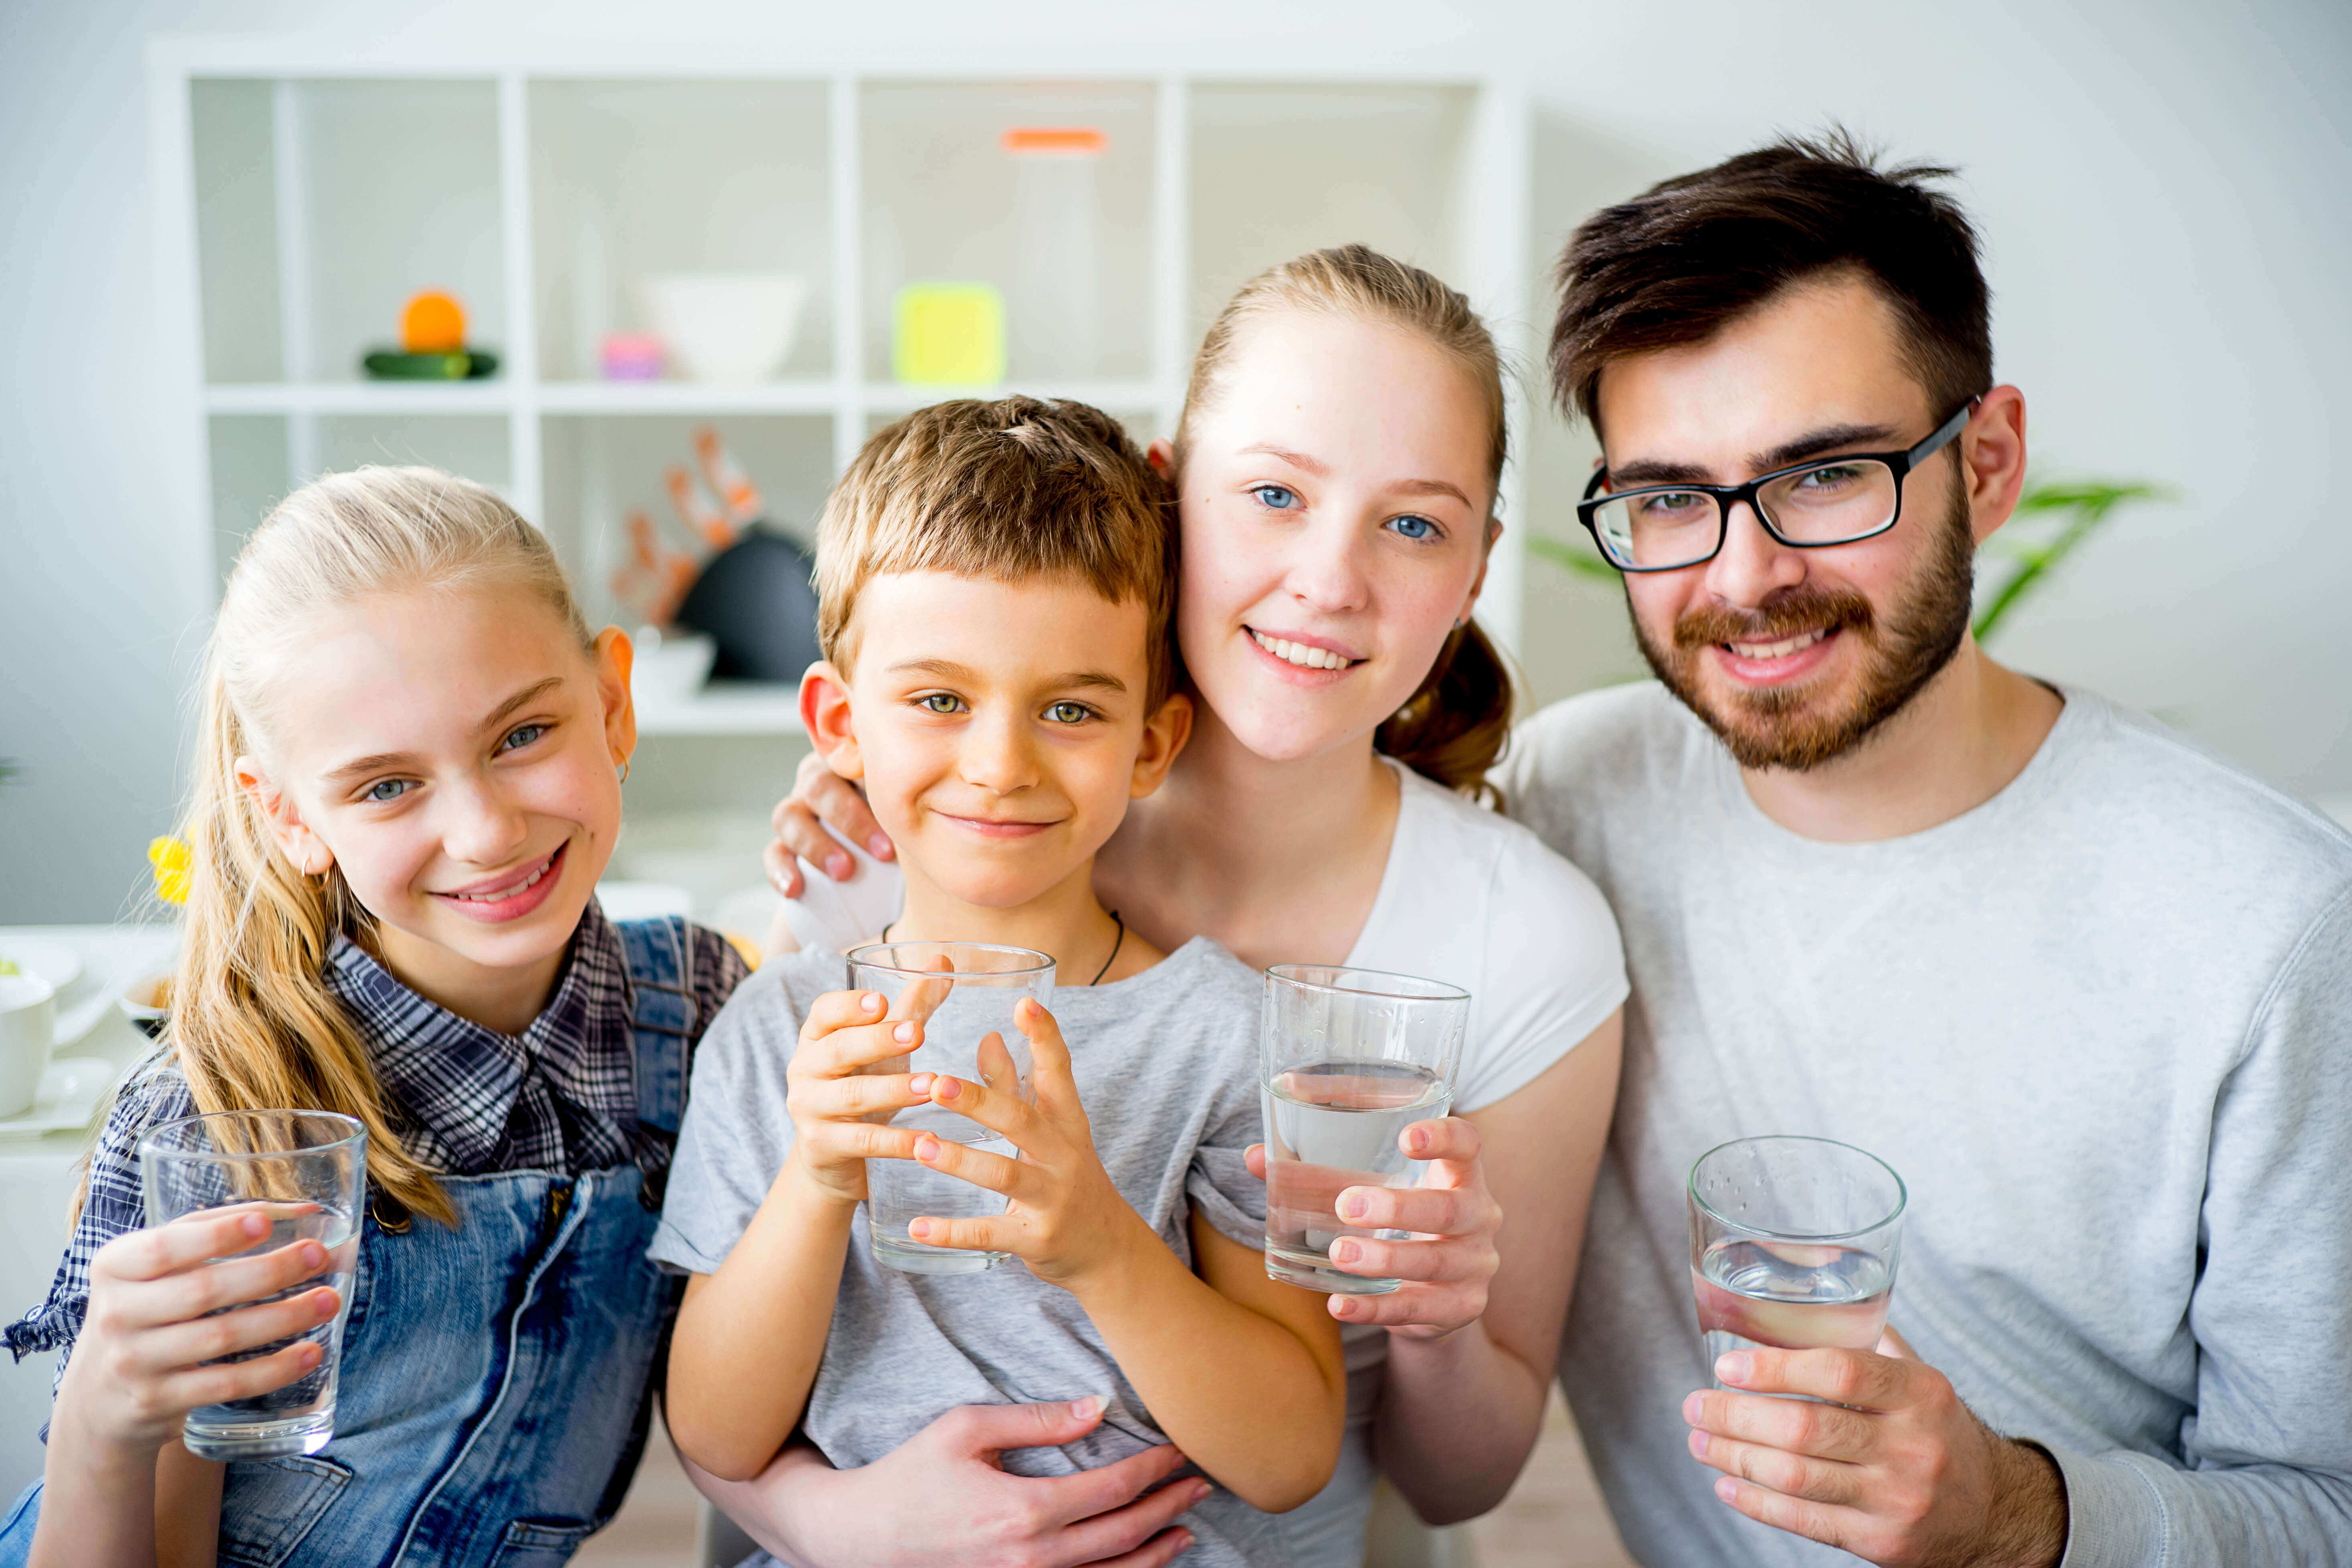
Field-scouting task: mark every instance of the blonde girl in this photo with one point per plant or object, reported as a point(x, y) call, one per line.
point(1336, 469)
point(410, 782)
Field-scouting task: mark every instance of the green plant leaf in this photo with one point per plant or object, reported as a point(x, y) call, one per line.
point(2086, 505)
point(1583, 563)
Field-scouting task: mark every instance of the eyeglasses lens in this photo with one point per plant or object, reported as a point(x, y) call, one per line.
point(1834, 502)
point(1657, 530)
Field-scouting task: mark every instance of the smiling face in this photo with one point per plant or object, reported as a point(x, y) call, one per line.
point(999, 728)
point(1795, 657)
point(453, 754)
point(1335, 495)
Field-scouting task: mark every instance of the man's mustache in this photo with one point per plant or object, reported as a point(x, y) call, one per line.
point(1804, 608)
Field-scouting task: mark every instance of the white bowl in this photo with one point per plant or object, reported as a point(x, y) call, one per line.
point(729, 328)
point(28, 1023)
point(669, 666)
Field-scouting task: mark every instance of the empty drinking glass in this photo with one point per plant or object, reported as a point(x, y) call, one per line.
point(305, 1170)
point(1793, 1244)
point(963, 993)
point(1350, 1058)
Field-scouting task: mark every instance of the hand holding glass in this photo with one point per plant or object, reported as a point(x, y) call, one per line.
point(1350, 1058)
point(305, 1172)
point(964, 994)
point(1793, 1243)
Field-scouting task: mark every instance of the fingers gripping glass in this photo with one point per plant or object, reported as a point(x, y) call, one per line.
point(1816, 503)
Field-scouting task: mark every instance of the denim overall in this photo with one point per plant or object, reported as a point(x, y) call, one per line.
point(498, 1378)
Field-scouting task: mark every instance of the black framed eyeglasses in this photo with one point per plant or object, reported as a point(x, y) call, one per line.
point(1811, 506)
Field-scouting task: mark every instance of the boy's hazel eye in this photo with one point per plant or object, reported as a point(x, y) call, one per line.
point(1414, 527)
point(941, 702)
point(1276, 497)
point(1069, 713)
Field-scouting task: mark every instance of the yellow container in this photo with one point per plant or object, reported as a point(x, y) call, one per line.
point(948, 334)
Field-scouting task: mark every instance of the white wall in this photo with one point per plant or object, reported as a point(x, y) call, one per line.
point(2164, 190)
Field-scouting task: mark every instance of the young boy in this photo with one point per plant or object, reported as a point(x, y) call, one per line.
point(994, 585)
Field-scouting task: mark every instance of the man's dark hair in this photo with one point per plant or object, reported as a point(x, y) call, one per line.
point(1684, 259)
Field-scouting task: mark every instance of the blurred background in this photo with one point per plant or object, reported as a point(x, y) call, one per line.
point(655, 272)
point(216, 207)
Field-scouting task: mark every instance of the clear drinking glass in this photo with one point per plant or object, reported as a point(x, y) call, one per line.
point(1793, 1243)
point(963, 993)
point(1350, 1058)
point(307, 1170)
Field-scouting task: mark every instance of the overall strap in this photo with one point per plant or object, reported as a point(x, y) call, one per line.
point(660, 954)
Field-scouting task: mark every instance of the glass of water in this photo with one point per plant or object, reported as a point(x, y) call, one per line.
point(963, 993)
point(1348, 1060)
point(1793, 1243)
point(305, 1170)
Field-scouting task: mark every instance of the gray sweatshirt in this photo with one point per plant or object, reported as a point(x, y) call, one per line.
point(2101, 1026)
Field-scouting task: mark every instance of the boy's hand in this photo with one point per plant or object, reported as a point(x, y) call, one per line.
point(842, 1088)
point(158, 1313)
point(1062, 1216)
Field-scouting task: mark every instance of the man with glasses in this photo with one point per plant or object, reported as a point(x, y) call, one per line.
point(2087, 988)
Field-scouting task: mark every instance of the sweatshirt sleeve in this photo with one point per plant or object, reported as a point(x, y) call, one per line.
point(2268, 1448)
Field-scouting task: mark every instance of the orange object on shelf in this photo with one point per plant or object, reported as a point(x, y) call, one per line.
point(1055, 142)
point(433, 323)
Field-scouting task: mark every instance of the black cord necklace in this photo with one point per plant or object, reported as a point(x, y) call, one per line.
point(1117, 942)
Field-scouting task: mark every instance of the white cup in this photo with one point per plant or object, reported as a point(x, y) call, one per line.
point(28, 1021)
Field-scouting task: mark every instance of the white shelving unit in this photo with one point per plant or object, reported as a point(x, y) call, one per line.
point(304, 196)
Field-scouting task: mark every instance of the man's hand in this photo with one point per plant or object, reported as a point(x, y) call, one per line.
point(1896, 1471)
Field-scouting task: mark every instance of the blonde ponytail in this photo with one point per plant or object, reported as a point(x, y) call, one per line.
point(254, 1025)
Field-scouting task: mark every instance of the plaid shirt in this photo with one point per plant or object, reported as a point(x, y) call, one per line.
point(560, 1097)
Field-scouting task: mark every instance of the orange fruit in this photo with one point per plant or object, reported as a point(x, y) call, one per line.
point(433, 324)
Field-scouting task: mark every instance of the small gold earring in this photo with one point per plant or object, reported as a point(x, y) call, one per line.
point(624, 770)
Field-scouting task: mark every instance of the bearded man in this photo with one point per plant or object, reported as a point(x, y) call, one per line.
point(2086, 987)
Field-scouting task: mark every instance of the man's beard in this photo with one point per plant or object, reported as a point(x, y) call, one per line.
point(1769, 727)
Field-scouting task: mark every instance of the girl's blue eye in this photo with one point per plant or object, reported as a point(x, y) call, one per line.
point(1414, 527)
point(521, 735)
point(1276, 497)
point(384, 791)
point(1069, 714)
point(941, 702)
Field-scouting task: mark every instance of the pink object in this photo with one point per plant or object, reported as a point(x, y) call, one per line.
point(633, 356)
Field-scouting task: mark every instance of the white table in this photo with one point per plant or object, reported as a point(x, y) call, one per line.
point(38, 1176)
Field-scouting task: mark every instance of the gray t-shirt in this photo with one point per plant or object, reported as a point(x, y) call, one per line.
point(2099, 1025)
point(1166, 1063)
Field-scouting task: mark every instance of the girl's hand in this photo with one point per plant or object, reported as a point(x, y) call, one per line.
point(137, 1368)
point(1448, 1266)
point(972, 1512)
point(841, 1088)
point(1062, 1216)
point(819, 796)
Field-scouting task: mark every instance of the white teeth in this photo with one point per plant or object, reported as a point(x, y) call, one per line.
point(1298, 653)
point(495, 895)
point(1782, 649)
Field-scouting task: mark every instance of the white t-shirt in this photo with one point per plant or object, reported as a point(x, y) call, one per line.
point(2099, 1025)
point(1469, 898)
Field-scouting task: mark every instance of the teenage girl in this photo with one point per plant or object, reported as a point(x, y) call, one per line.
point(410, 783)
point(1336, 468)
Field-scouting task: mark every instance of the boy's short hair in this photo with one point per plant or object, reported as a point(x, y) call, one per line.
point(1015, 488)
point(1682, 260)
